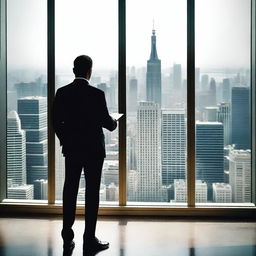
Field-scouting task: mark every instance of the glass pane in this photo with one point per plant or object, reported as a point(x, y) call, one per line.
point(90, 29)
point(156, 101)
point(223, 133)
point(27, 170)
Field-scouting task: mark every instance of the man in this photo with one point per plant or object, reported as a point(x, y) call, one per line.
point(79, 114)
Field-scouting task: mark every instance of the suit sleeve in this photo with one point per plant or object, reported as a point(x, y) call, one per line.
point(57, 117)
point(106, 120)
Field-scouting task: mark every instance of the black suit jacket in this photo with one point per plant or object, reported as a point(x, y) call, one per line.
point(79, 114)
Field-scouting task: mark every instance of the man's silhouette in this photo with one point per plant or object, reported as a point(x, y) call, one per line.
point(79, 114)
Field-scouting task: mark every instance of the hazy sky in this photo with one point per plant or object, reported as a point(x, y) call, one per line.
point(90, 27)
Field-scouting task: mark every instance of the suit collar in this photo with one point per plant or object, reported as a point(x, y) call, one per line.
point(80, 80)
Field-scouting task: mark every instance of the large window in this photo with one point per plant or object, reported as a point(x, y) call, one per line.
point(27, 171)
point(156, 101)
point(223, 107)
point(150, 59)
point(92, 31)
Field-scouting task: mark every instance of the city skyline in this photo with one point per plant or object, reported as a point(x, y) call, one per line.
point(156, 134)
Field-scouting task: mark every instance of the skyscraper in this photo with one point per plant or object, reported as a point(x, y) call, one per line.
point(149, 152)
point(133, 95)
point(210, 114)
point(204, 82)
point(241, 131)
point(177, 77)
point(16, 151)
point(240, 175)
point(173, 145)
point(224, 116)
point(197, 79)
point(226, 90)
point(209, 153)
point(212, 93)
point(153, 77)
point(33, 115)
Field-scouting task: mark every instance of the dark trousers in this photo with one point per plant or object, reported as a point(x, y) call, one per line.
point(92, 170)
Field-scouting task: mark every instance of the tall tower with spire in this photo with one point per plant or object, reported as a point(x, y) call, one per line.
point(154, 91)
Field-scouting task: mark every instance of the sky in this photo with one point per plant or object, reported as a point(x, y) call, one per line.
point(90, 27)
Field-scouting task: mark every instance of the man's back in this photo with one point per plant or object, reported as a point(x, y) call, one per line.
point(80, 112)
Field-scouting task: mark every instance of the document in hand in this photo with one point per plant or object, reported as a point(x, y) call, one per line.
point(116, 115)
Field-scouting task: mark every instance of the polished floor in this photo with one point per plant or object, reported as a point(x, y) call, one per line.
point(132, 237)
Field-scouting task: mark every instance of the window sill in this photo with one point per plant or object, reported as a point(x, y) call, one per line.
point(136, 209)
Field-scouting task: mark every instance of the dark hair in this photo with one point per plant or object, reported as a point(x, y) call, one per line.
point(82, 64)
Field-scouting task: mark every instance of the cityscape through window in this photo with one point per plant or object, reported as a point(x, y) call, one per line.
point(156, 96)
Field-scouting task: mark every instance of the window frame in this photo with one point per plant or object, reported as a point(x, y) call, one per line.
point(189, 209)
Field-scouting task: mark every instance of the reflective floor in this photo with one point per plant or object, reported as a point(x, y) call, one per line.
point(132, 237)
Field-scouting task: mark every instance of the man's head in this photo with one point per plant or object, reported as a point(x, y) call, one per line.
point(83, 66)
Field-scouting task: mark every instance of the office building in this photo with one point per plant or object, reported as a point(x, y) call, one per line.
point(33, 115)
point(240, 175)
point(173, 145)
point(40, 189)
point(133, 95)
point(224, 117)
point(21, 192)
point(149, 152)
point(222, 193)
point(204, 82)
point(180, 191)
point(212, 93)
point(210, 114)
point(209, 153)
point(226, 90)
point(16, 150)
point(240, 104)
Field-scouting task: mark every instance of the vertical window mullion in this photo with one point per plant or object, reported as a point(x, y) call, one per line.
point(50, 97)
point(253, 96)
point(3, 102)
point(122, 100)
point(191, 102)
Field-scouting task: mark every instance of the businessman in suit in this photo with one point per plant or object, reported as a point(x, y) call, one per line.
point(79, 114)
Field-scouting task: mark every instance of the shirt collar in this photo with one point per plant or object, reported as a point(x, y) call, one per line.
point(81, 78)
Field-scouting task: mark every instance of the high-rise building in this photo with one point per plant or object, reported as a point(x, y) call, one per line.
point(210, 114)
point(209, 153)
point(105, 89)
point(180, 191)
point(212, 93)
point(16, 150)
point(133, 95)
point(240, 175)
point(224, 116)
point(21, 192)
point(132, 183)
point(37, 88)
point(222, 193)
point(226, 90)
point(177, 77)
point(204, 82)
point(40, 189)
point(241, 131)
point(173, 145)
point(33, 115)
point(153, 79)
point(149, 152)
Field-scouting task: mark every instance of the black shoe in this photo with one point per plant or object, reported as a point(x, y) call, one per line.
point(95, 245)
point(68, 247)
